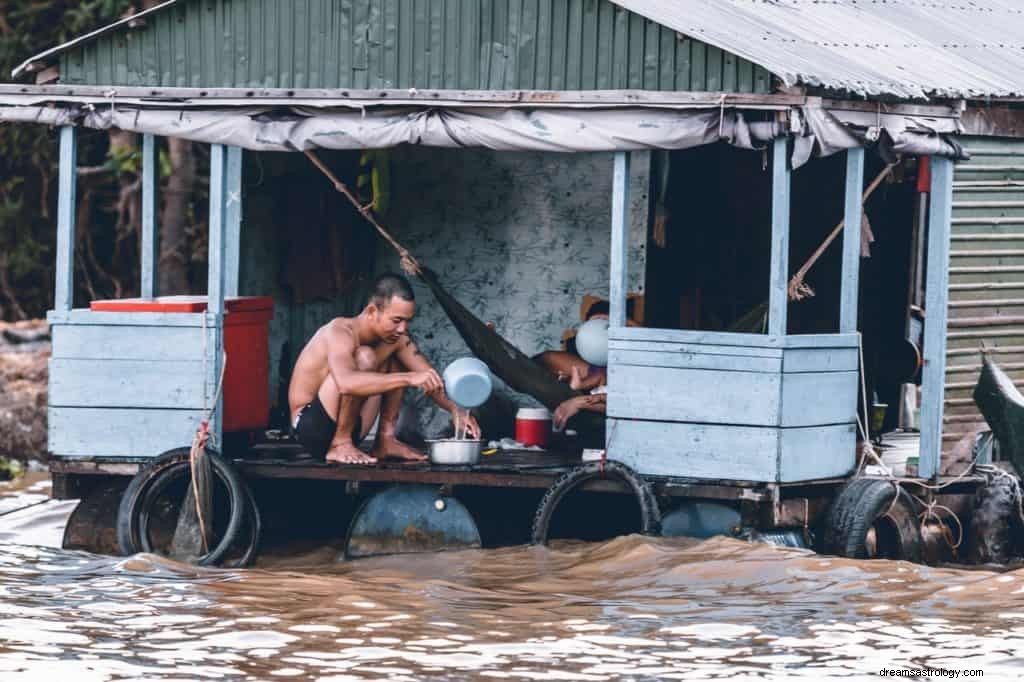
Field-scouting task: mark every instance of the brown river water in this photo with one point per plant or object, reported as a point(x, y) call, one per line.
point(632, 608)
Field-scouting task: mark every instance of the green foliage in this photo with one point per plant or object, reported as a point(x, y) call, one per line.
point(28, 153)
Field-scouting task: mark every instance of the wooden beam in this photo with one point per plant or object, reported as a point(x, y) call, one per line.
point(232, 220)
point(778, 297)
point(215, 289)
point(619, 261)
point(150, 252)
point(851, 240)
point(933, 389)
point(64, 289)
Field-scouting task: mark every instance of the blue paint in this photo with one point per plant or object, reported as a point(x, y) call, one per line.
point(933, 375)
point(64, 289)
point(853, 211)
point(778, 285)
point(149, 249)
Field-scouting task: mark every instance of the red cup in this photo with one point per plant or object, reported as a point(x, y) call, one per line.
point(533, 426)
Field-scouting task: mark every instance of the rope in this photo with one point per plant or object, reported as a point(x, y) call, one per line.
point(898, 482)
point(203, 436)
point(409, 264)
point(798, 289)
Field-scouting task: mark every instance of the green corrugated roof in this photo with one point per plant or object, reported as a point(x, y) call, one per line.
point(388, 44)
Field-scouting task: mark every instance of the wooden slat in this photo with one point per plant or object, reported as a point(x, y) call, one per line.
point(695, 450)
point(819, 360)
point(94, 342)
point(693, 395)
point(171, 384)
point(817, 398)
point(718, 362)
point(97, 432)
point(815, 453)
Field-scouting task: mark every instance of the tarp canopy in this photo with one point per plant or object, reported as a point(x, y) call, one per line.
point(816, 131)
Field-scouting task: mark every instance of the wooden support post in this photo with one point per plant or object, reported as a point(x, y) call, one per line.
point(233, 220)
point(619, 262)
point(778, 294)
point(64, 288)
point(215, 287)
point(933, 377)
point(149, 249)
point(851, 240)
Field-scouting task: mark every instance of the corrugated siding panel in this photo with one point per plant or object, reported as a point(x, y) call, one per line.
point(449, 44)
point(986, 283)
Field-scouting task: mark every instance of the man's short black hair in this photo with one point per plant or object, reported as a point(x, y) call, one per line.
point(389, 285)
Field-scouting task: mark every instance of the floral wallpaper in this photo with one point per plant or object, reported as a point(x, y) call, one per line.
point(517, 237)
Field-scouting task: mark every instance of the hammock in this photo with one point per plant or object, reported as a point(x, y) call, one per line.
point(510, 364)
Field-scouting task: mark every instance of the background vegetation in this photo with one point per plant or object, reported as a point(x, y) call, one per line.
point(109, 184)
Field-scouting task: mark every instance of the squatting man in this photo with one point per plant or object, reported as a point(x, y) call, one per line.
point(354, 369)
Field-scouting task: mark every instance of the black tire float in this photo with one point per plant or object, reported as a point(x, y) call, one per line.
point(146, 487)
point(995, 524)
point(864, 522)
point(650, 514)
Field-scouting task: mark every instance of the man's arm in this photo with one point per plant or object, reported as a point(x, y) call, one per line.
point(414, 361)
point(350, 380)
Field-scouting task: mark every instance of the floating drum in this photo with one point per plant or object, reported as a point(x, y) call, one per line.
point(408, 519)
point(701, 519)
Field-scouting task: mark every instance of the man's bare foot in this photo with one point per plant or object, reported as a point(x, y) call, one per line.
point(393, 448)
point(347, 453)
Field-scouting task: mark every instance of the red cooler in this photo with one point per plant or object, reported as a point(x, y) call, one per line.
point(246, 342)
point(533, 426)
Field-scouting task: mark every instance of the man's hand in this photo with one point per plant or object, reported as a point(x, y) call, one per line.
point(429, 381)
point(566, 411)
point(470, 424)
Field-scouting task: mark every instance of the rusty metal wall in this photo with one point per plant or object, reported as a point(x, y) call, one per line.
point(430, 44)
point(986, 282)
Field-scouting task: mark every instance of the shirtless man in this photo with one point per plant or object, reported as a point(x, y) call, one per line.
point(354, 368)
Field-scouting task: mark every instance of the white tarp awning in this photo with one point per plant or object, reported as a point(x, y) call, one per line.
point(816, 132)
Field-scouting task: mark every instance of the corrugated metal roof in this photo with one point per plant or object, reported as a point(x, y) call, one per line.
point(908, 48)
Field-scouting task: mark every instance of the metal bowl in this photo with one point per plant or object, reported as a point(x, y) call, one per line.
point(455, 452)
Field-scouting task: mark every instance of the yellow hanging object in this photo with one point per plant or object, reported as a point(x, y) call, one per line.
point(374, 181)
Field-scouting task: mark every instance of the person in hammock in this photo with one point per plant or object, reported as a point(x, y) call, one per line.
point(567, 364)
point(353, 369)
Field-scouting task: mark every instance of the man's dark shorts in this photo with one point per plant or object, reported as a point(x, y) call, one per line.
point(314, 429)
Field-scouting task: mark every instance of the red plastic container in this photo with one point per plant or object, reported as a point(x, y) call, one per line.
point(246, 342)
point(533, 426)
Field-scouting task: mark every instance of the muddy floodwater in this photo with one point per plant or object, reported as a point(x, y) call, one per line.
point(631, 608)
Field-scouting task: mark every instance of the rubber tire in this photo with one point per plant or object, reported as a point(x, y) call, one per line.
point(855, 510)
point(130, 509)
point(995, 523)
point(251, 519)
point(650, 513)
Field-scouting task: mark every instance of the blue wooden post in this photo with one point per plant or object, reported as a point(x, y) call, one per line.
point(149, 248)
point(233, 220)
point(851, 240)
point(64, 288)
point(215, 285)
point(778, 297)
point(620, 241)
point(933, 376)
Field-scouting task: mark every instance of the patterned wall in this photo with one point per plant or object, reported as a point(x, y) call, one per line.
point(518, 238)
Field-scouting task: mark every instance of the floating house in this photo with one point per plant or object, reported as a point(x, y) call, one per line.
point(686, 154)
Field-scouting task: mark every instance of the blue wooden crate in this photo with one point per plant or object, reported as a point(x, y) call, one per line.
point(745, 407)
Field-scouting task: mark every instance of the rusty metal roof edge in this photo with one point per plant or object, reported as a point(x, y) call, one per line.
point(240, 97)
point(74, 42)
